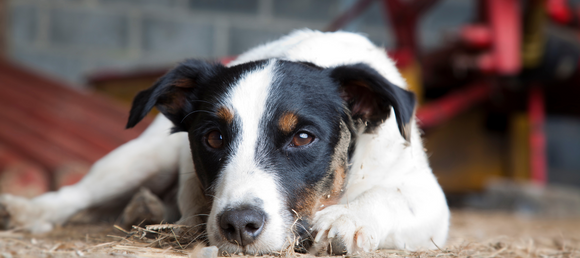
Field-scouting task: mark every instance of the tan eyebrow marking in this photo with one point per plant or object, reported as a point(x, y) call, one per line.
point(288, 122)
point(226, 114)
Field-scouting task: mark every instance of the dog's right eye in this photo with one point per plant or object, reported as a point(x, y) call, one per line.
point(214, 139)
point(301, 139)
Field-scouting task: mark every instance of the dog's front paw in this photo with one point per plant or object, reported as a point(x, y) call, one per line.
point(20, 213)
point(341, 231)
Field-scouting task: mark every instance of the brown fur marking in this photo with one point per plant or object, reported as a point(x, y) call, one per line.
point(313, 201)
point(226, 114)
point(339, 180)
point(336, 192)
point(288, 122)
point(308, 203)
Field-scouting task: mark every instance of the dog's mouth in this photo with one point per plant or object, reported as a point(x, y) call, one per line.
point(293, 244)
point(248, 230)
point(303, 235)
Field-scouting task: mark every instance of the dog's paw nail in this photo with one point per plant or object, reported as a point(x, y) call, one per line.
point(365, 240)
point(319, 236)
point(332, 233)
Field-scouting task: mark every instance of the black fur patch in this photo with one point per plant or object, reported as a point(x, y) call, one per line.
point(370, 97)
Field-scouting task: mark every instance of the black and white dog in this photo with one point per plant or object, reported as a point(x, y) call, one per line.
point(308, 137)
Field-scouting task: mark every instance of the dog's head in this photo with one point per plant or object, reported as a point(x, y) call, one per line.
point(271, 140)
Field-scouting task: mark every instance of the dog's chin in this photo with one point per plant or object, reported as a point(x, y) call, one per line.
point(256, 248)
point(261, 246)
point(268, 242)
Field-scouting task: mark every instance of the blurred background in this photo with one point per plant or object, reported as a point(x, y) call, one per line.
point(497, 80)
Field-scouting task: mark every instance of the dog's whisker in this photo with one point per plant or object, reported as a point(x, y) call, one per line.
point(193, 112)
point(199, 100)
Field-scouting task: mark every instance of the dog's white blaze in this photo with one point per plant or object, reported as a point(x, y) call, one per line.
point(242, 182)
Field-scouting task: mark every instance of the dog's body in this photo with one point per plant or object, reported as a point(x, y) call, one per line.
point(306, 137)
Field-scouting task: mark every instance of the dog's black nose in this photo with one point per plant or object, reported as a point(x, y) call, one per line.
point(242, 226)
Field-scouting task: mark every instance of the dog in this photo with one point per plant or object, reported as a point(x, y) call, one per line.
point(304, 142)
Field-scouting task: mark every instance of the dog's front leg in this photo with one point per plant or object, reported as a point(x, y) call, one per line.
point(191, 199)
point(119, 173)
point(409, 215)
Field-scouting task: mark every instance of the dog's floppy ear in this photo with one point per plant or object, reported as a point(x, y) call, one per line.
point(370, 97)
point(174, 93)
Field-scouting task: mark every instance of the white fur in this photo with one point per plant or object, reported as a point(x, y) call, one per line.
point(392, 198)
point(242, 180)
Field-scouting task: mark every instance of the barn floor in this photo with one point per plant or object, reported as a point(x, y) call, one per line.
point(473, 234)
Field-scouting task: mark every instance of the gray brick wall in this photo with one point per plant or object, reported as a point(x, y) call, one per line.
point(23, 20)
point(242, 39)
point(249, 7)
point(88, 29)
point(69, 38)
point(193, 38)
point(317, 10)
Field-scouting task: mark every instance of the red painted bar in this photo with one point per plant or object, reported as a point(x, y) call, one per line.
point(504, 17)
point(441, 110)
point(536, 116)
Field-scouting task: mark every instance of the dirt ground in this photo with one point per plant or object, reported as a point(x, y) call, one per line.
point(472, 234)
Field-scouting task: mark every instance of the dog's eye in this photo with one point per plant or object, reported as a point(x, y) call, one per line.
point(301, 139)
point(214, 139)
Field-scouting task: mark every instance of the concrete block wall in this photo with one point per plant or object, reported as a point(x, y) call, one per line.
point(69, 38)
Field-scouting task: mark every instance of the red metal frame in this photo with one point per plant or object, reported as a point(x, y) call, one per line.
point(559, 11)
point(536, 116)
point(500, 32)
point(447, 107)
point(504, 18)
point(403, 16)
